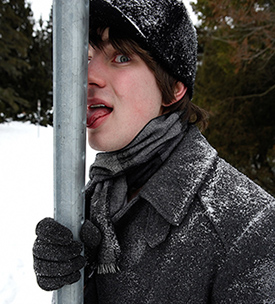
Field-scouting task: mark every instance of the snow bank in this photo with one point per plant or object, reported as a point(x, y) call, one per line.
point(26, 179)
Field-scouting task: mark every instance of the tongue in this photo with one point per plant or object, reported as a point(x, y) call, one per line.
point(94, 114)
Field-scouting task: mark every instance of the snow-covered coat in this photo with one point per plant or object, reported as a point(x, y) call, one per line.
point(199, 231)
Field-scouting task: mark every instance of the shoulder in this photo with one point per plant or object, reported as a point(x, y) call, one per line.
point(235, 204)
point(242, 214)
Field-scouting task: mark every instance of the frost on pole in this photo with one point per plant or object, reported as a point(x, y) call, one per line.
point(70, 49)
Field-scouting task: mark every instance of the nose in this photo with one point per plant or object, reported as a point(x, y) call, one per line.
point(96, 72)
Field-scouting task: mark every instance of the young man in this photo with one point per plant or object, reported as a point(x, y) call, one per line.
point(168, 221)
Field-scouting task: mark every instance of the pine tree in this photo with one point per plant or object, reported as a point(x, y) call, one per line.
point(15, 38)
point(235, 82)
point(25, 66)
point(38, 79)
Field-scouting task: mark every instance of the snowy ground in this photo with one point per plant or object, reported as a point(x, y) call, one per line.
point(26, 179)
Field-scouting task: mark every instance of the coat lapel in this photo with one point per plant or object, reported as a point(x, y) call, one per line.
point(172, 189)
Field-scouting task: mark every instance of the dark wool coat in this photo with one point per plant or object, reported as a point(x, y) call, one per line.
point(198, 232)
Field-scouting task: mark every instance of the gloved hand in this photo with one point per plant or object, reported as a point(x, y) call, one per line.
point(57, 258)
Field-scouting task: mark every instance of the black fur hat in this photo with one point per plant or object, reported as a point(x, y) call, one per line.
point(162, 27)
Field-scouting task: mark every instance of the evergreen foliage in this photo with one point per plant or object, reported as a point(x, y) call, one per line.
point(25, 65)
point(38, 79)
point(236, 84)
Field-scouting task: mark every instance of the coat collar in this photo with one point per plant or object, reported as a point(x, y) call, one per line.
point(171, 190)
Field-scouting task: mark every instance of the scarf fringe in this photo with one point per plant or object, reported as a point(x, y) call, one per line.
point(107, 268)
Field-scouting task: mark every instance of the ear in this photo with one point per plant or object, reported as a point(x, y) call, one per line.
point(179, 92)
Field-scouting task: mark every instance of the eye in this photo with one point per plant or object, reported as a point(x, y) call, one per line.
point(121, 59)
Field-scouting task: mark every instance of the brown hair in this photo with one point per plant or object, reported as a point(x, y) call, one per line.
point(166, 82)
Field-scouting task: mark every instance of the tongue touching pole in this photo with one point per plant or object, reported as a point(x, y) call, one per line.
point(70, 54)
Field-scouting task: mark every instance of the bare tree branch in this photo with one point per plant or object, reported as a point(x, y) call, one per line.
point(252, 95)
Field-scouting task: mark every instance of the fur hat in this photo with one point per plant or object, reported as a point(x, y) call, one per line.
point(162, 27)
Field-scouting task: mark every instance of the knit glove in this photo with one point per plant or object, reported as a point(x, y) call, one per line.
point(57, 258)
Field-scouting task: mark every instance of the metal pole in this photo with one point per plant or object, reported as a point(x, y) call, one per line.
point(70, 55)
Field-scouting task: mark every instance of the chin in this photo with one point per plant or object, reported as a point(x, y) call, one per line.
point(104, 145)
point(100, 147)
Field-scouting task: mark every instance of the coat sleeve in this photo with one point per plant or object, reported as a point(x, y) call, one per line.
point(247, 274)
point(90, 291)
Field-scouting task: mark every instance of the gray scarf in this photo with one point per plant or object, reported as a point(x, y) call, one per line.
point(114, 173)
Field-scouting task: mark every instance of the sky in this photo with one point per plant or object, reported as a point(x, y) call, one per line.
point(41, 8)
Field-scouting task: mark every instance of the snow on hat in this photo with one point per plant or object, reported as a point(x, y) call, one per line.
point(162, 27)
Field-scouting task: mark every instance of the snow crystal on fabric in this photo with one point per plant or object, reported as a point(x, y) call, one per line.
point(219, 247)
point(167, 32)
point(239, 199)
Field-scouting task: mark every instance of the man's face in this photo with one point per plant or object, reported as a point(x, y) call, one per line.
point(123, 97)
